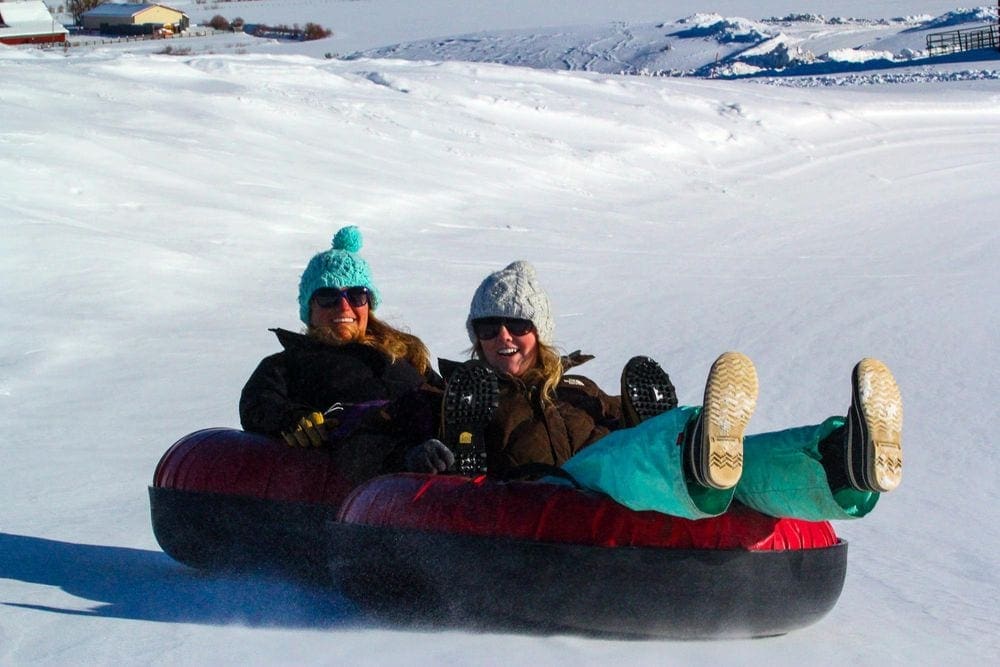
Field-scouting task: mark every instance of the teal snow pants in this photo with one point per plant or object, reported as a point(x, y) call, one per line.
point(642, 468)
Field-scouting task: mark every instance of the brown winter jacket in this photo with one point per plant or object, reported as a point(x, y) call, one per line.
point(526, 430)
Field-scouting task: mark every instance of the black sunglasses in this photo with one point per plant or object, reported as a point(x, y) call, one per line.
point(329, 297)
point(488, 328)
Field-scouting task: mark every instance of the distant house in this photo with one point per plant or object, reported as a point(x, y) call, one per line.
point(134, 18)
point(29, 22)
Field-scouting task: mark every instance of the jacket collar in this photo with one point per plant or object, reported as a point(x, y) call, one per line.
point(291, 340)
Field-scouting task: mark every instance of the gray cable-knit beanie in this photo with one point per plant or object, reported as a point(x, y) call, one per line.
point(513, 292)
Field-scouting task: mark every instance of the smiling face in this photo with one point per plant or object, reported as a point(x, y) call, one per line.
point(344, 321)
point(507, 353)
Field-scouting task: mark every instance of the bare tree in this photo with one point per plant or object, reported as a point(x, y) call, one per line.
point(219, 22)
point(78, 7)
point(316, 31)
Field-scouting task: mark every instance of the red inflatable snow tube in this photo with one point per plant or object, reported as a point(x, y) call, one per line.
point(561, 514)
point(236, 463)
point(466, 551)
point(228, 462)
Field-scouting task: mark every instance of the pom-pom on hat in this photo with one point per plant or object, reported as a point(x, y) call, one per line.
point(513, 292)
point(340, 266)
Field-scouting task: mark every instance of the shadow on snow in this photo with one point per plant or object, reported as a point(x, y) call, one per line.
point(831, 68)
point(148, 585)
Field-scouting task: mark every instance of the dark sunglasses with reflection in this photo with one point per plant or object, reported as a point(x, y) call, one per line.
point(329, 297)
point(488, 328)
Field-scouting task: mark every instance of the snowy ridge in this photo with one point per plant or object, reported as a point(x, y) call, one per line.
point(960, 17)
point(796, 44)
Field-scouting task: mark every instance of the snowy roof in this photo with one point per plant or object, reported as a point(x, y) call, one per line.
point(31, 17)
point(122, 8)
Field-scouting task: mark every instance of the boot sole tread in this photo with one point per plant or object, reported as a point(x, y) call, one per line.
point(730, 399)
point(875, 447)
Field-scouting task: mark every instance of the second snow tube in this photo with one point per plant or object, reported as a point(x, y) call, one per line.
point(225, 498)
point(540, 555)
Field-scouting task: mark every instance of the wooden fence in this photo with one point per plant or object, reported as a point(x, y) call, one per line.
point(953, 41)
point(97, 41)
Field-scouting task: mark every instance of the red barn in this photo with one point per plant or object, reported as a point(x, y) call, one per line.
point(29, 22)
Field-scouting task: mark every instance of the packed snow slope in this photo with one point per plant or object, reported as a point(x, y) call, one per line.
point(159, 209)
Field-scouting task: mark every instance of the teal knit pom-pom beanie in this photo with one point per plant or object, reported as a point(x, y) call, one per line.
point(340, 266)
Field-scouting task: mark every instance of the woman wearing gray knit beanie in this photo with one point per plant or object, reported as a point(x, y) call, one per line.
point(513, 293)
point(513, 405)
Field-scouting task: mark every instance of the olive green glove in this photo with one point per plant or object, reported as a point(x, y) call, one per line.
point(308, 432)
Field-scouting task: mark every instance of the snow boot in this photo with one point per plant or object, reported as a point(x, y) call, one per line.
point(646, 390)
point(874, 429)
point(471, 397)
point(715, 448)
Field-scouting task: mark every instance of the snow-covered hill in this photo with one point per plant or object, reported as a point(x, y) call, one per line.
point(804, 48)
point(712, 45)
point(158, 210)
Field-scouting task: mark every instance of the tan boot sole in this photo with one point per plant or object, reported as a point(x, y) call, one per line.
point(730, 399)
point(881, 406)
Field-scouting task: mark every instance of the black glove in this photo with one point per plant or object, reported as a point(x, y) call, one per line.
point(430, 456)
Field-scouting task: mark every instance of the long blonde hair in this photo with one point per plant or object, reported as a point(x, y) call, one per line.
point(388, 340)
point(546, 373)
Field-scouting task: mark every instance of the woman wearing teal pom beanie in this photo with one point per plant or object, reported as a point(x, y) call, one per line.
point(351, 382)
